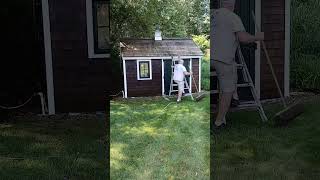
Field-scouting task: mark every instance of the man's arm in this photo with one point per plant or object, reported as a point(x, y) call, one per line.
point(187, 73)
point(245, 37)
point(240, 31)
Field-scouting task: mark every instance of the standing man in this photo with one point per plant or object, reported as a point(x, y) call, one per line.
point(227, 31)
point(179, 74)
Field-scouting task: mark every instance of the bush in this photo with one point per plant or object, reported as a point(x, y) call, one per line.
point(205, 74)
point(305, 45)
point(202, 41)
point(305, 72)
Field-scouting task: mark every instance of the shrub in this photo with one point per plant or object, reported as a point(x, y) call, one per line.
point(202, 41)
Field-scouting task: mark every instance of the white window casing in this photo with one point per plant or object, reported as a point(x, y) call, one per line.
point(90, 32)
point(138, 70)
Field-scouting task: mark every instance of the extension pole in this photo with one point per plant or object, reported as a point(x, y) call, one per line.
point(270, 64)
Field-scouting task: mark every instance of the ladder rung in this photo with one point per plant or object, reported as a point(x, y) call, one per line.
point(214, 92)
point(240, 65)
point(214, 74)
point(244, 85)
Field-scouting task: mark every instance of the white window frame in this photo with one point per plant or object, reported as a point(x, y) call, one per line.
point(90, 33)
point(138, 69)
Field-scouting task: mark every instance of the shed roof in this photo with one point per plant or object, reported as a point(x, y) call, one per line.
point(164, 48)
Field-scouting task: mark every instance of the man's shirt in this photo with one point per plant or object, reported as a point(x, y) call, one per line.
point(178, 74)
point(224, 26)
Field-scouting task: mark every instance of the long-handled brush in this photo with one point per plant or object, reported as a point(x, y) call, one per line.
point(289, 112)
point(198, 96)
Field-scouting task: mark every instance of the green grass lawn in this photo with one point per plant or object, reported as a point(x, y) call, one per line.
point(250, 149)
point(149, 143)
point(53, 148)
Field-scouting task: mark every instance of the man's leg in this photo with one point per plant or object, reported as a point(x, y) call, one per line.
point(227, 77)
point(180, 90)
point(224, 104)
point(235, 95)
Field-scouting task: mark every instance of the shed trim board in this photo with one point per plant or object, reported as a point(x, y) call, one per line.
point(258, 50)
point(287, 48)
point(190, 79)
point(125, 79)
point(167, 57)
point(90, 34)
point(162, 76)
point(199, 86)
point(138, 69)
point(48, 56)
point(162, 70)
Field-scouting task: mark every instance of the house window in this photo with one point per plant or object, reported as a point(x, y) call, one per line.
point(98, 28)
point(101, 26)
point(144, 70)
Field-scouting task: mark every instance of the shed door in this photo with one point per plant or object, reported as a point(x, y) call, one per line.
point(244, 10)
point(168, 72)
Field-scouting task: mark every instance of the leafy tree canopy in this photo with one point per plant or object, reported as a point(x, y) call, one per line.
point(176, 18)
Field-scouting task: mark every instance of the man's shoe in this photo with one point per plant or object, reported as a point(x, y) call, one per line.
point(217, 129)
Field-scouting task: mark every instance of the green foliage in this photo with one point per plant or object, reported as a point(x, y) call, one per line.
point(202, 41)
point(305, 52)
point(305, 72)
point(305, 27)
point(205, 74)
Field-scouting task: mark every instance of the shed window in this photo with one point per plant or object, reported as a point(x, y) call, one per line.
point(144, 70)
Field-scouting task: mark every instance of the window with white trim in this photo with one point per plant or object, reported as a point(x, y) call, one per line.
point(98, 28)
point(144, 70)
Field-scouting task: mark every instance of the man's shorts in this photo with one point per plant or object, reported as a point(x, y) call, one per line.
point(227, 76)
point(180, 85)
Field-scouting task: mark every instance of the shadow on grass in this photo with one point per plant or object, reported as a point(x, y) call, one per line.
point(43, 148)
point(250, 149)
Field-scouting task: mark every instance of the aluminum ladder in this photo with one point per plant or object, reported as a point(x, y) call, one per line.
point(174, 86)
point(248, 83)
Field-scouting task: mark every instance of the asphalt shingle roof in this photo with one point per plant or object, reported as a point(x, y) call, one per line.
point(164, 48)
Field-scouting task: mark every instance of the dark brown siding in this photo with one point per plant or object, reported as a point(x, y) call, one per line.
point(79, 83)
point(143, 88)
point(195, 70)
point(273, 17)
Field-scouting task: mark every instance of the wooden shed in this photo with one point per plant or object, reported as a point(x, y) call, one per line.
point(63, 50)
point(273, 16)
point(147, 64)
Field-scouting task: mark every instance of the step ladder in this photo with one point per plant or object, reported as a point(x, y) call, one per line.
point(248, 83)
point(174, 85)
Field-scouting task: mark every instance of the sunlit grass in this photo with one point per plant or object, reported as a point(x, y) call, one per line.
point(148, 142)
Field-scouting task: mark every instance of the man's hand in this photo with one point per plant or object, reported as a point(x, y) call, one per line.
point(245, 37)
point(260, 36)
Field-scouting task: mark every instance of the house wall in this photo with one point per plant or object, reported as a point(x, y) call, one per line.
point(80, 83)
point(273, 24)
point(136, 88)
